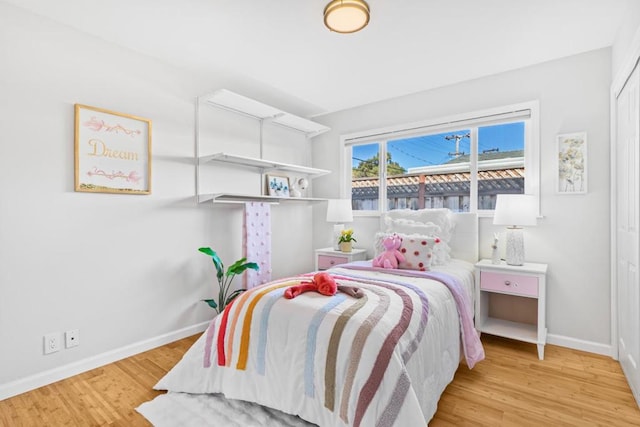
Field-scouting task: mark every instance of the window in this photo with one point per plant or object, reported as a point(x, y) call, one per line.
point(460, 163)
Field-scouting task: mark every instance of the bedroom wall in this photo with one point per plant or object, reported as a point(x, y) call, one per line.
point(573, 235)
point(123, 269)
point(628, 37)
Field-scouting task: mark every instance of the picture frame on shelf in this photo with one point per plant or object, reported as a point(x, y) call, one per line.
point(278, 185)
point(572, 163)
point(112, 152)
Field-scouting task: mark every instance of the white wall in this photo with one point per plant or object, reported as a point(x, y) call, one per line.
point(573, 236)
point(123, 269)
point(628, 36)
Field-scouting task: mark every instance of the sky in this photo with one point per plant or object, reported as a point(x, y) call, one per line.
point(436, 149)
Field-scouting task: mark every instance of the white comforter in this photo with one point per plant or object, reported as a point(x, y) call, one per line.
point(335, 361)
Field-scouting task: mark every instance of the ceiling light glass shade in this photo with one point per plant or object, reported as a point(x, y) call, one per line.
point(346, 16)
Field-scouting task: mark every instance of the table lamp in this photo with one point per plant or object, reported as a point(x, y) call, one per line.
point(515, 210)
point(338, 212)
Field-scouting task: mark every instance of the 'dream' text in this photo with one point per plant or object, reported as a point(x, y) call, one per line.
point(100, 149)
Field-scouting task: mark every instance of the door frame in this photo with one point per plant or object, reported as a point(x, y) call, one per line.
point(618, 83)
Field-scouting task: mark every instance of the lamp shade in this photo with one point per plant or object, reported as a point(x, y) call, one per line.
point(515, 209)
point(346, 16)
point(339, 210)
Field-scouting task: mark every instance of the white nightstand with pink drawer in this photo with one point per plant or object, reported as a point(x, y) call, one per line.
point(328, 257)
point(511, 301)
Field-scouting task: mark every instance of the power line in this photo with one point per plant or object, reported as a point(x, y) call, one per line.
point(410, 155)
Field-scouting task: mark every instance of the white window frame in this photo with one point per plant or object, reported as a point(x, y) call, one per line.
point(472, 120)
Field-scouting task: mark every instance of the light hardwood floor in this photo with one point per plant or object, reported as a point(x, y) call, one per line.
point(510, 388)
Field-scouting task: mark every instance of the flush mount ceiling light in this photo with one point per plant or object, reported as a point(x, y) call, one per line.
point(346, 16)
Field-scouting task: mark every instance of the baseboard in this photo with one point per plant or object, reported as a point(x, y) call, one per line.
point(47, 377)
point(32, 382)
point(577, 344)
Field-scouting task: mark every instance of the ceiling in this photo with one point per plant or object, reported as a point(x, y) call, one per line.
point(282, 47)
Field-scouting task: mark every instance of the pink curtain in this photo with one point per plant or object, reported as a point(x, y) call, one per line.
point(257, 242)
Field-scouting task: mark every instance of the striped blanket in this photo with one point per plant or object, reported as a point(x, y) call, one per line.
point(335, 360)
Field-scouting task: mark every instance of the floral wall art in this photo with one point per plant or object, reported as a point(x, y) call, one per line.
point(278, 186)
point(112, 152)
point(572, 163)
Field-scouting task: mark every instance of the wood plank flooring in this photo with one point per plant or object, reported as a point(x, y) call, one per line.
point(105, 396)
point(510, 388)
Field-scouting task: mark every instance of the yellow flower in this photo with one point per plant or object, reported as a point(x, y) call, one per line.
point(346, 236)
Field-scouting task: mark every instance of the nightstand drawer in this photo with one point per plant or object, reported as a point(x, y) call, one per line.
point(328, 261)
point(509, 283)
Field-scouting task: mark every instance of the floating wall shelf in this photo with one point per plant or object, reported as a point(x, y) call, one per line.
point(241, 104)
point(242, 198)
point(263, 165)
point(236, 103)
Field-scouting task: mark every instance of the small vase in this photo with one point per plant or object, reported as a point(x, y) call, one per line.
point(495, 258)
point(346, 246)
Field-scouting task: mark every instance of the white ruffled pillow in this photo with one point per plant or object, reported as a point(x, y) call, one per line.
point(442, 217)
point(407, 226)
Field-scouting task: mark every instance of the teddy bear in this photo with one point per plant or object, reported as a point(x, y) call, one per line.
point(391, 256)
point(322, 283)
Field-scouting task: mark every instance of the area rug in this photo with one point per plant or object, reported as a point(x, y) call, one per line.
point(198, 410)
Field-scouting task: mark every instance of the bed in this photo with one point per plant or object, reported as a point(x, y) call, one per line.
point(379, 352)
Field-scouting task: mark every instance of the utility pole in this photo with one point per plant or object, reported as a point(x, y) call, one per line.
point(457, 153)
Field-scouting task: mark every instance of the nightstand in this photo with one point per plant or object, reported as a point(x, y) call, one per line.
point(328, 257)
point(511, 301)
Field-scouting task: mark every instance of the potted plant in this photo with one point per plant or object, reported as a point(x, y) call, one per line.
point(225, 279)
point(346, 240)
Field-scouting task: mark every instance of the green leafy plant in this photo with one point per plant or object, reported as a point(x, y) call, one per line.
point(346, 236)
point(225, 279)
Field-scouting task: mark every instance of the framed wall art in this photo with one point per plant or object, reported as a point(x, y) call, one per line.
point(572, 163)
point(112, 152)
point(278, 186)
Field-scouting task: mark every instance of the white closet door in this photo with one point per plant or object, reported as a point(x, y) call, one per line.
point(627, 228)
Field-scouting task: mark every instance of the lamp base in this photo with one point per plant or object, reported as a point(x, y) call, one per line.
point(515, 246)
point(337, 231)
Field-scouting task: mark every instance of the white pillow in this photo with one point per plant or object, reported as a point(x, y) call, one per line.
point(407, 226)
point(440, 251)
point(418, 252)
point(377, 242)
point(442, 217)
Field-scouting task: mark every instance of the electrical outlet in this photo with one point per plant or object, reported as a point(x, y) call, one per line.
point(72, 338)
point(51, 342)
